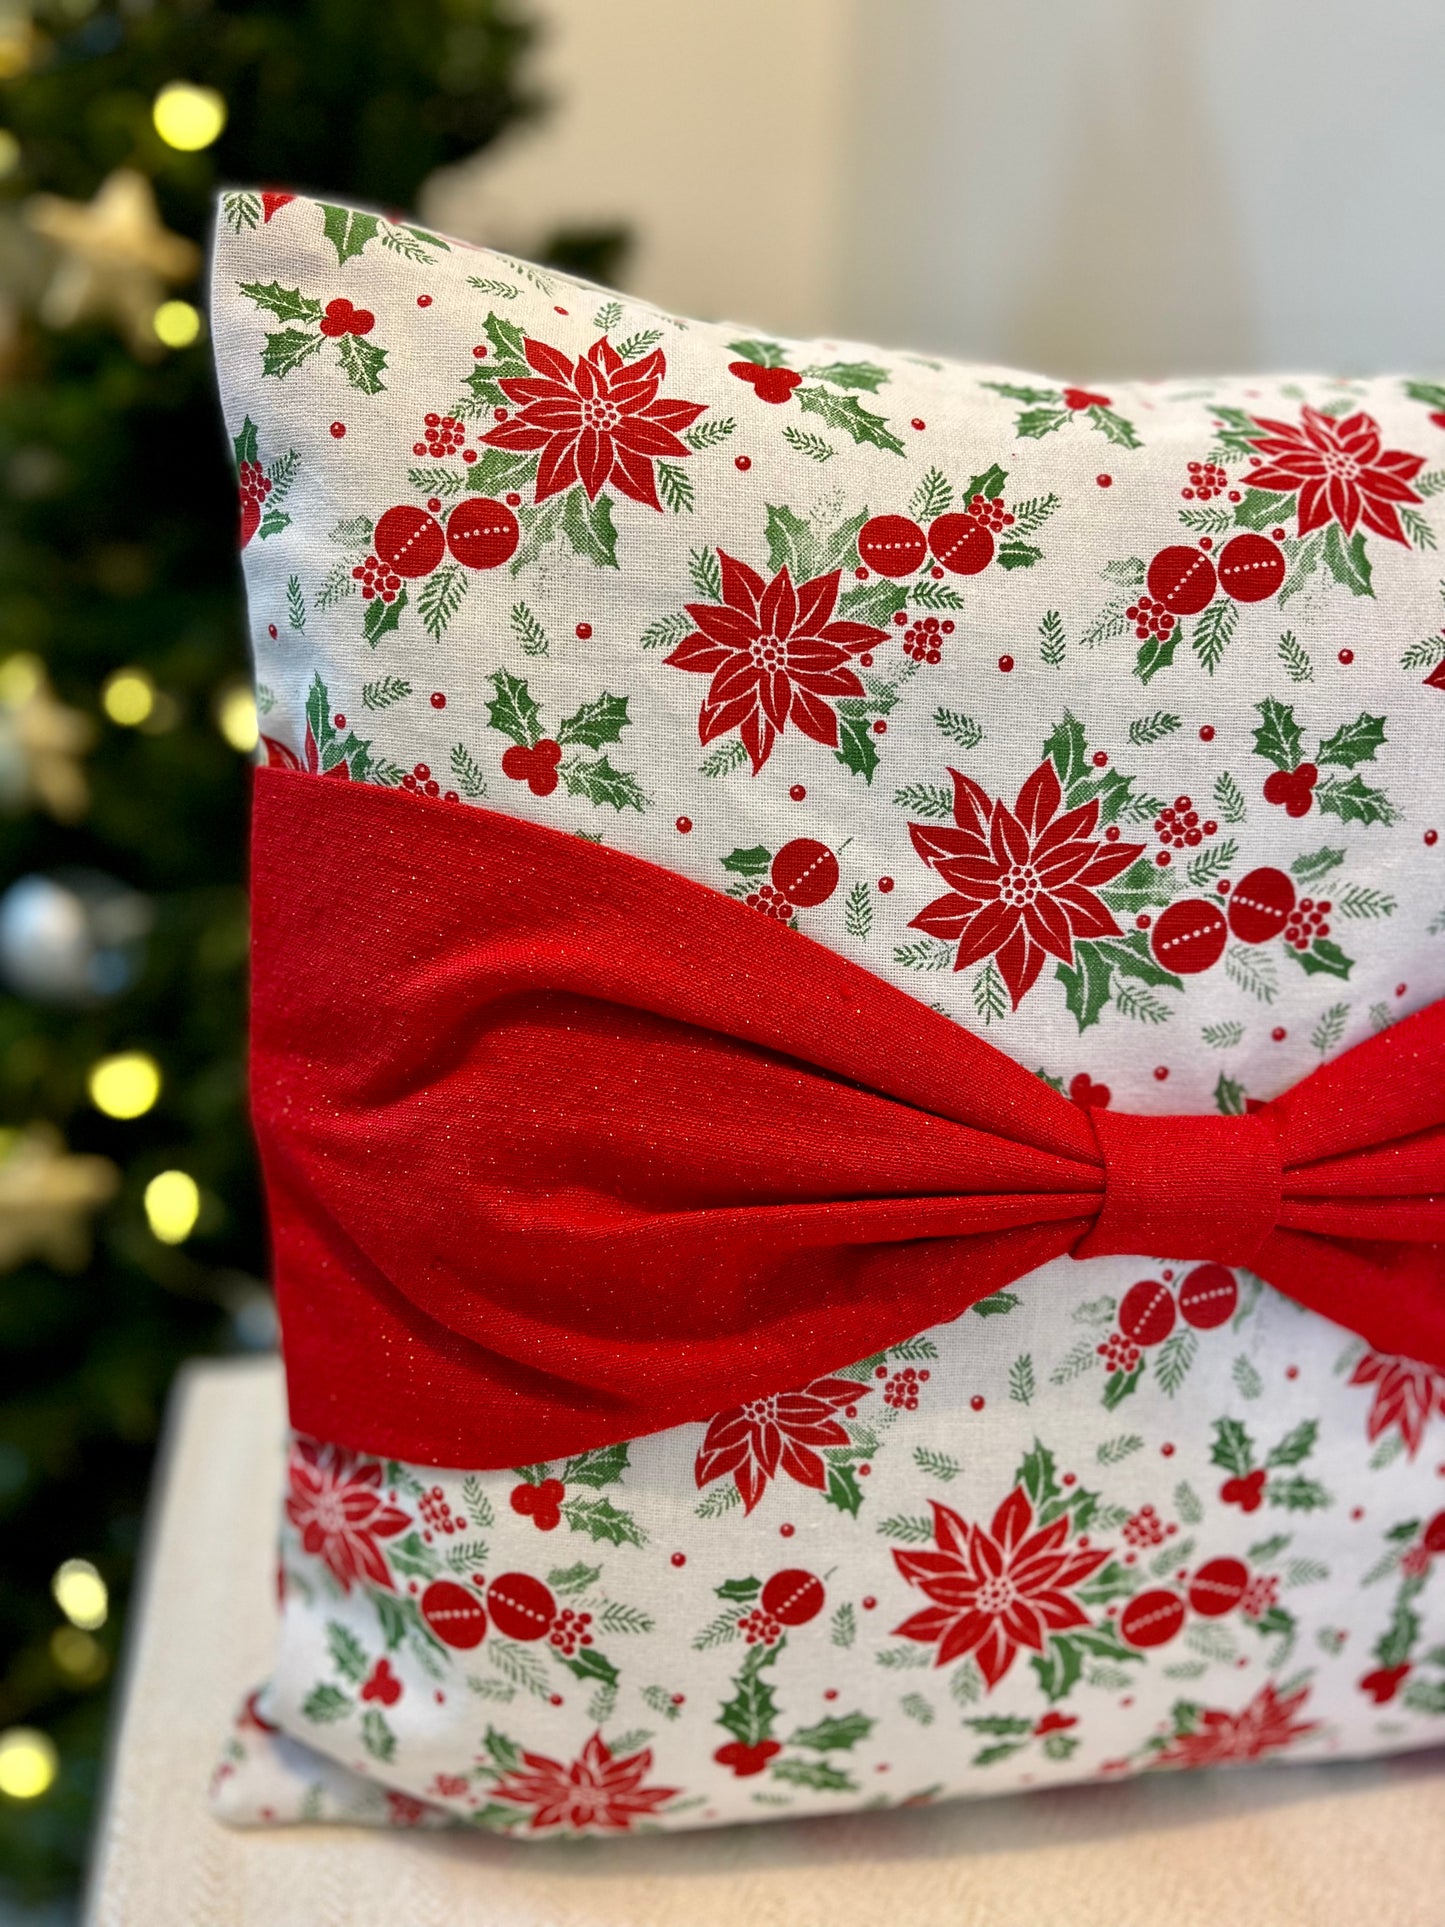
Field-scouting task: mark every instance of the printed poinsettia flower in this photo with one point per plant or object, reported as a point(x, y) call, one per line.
point(1342, 473)
point(598, 420)
point(775, 655)
point(1406, 1394)
point(1265, 1725)
point(336, 1503)
point(996, 1588)
point(1022, 881)
point(595, 1794)
point(755, 1441)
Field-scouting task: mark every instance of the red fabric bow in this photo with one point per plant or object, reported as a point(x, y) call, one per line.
point(562, 1148)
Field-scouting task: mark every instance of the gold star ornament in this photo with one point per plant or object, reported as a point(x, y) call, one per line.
point(116, 259)
point(47, 1195)
point(41, 743)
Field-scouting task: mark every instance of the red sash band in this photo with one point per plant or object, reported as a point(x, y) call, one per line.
point(562, 1148)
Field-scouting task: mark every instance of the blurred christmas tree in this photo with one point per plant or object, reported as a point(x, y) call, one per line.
point(129, 1214)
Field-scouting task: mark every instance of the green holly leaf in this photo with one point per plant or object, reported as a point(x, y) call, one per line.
point(507, 338)
point(286, 350)
point(1258, 508)
point(362, 362)
point(848, 413)
point(1034, 423)
point(413, 1557)
point(1060, 1666)
point(765, 354)
point(843, 1489)
point(875, 602)
point(600, 721)
point(589, 527)
point(604, 1466)
point(514, 710)
point(588, 1663)
point(1229, 1097)
point(839, 1731)
point(856, 750)
point(1156, 654)
point(1298, 1495)
point(1324, 958)
point(1347, 562)
point(1132, 957)
point(749, 1715)
point(382, 617)
point(1356, 742)
point(1354, 801)
point(1120, 1385)
point(790, 543)
point(1114, 428)
point(245, 443)
point(325, 1703)
point(1012, 391)
point(287, 304)
point(347, 230)
point(600, 783)
point(1018, 555)
point(748, 863)
point(851, 374)
point(272, 523)
point(742, 1591)
point(1232, 1448)
point(819, 1776)
point(1087, 982)
point(1037, 1475)
point(1278, 738)
point(348, 1655)
point(495, 472)
point(999, 1303)
point(1297, 1444)
point(376, 1736)
point(604, 1522)
point(989, 483)
point(1068, 750)
point(574, 1578)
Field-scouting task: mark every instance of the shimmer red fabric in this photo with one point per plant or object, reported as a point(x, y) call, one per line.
point(562, 1148)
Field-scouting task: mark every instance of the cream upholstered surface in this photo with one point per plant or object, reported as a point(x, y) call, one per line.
point(1276, 1846)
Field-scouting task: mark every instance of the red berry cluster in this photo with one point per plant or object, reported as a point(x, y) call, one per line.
point(437, 1514)
point(902, 1389)
point(1150, 618)
point(1260, 1594)
point(536, 767)
point(989, 512)
point(1178, 825)
point(569, 1631)
point(542, 1504)
point(1294, 788)
point(343, 317)
point(376, 579)
point(256, 484)
point(1306, 922)
point(1120, 1354)
point(1144, 1528)
point(760, 1628)
point(1206, 480)
point(771, 902)
point(924, 639)
point(1246, 1492)
point(419, 777)
point(444, 433)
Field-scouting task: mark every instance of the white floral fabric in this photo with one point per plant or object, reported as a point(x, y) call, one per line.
point(1109, 724)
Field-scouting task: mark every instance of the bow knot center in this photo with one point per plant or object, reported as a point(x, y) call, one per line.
point(1185, 1187)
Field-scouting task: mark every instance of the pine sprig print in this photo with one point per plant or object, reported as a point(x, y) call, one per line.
point(1153, 729)
point(959, 729)
point(709, 434)
point(990, 997)
point(1253, 970)
point(385, 691)
point(674, 487)
point(468, 772)
point(1225, 1036)
point(1021, 1384)
point(528, 630)
point(858, 911)
point(931, 801)
point(1329, 1031)
point(1295, 657)
point(1360, 900)
point(938, 1465)
point(706, 574)
point(1229, 798)
point(1051, 638)
point(813, 446)
point(441, 595)
point(932, 497)
point(929, 953)
point(295, 605)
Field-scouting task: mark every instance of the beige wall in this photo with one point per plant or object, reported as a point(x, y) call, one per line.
point(1090, 186)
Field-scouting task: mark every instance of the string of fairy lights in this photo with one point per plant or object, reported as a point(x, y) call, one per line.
point(114, 259)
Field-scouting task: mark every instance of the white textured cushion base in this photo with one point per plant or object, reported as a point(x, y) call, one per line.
point(1291, 1846)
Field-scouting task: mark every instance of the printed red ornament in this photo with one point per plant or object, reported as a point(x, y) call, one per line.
point(1189, 936)
point(961, 544)
point(455, 1614)
point(1152, 1619)
point(894, 545)
point(793, 1597)
point(1251, 568)
point(409, 540)
point(1260, 904)
point(1147, 1313)
point(1218, 1587)
point(1182, 579)
point(521, 1606)
point(481, 533)
point(805, 871)
point(1208, 1296)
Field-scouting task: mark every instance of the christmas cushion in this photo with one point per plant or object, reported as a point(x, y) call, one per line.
point(846, 1052)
